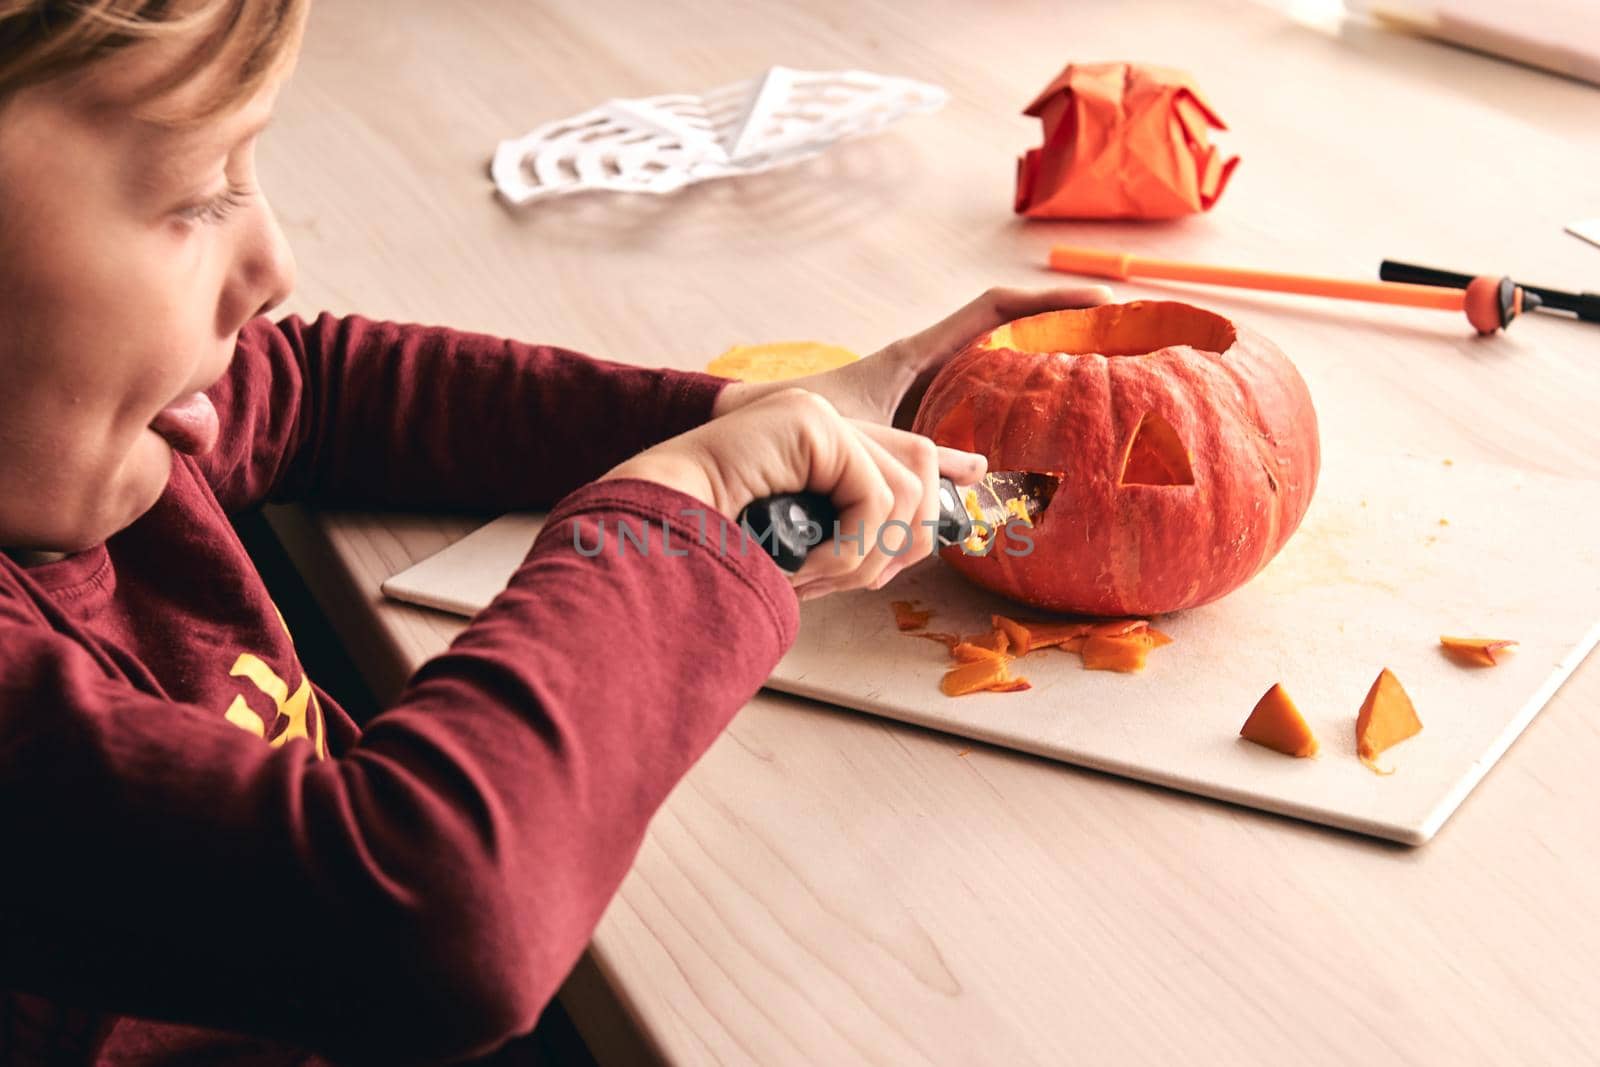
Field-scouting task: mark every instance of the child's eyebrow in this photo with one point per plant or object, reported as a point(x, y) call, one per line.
point(171, 154)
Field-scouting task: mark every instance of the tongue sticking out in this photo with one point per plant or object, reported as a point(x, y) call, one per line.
point(189, 424)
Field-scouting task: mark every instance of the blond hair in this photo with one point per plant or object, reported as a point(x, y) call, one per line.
point(44, 39)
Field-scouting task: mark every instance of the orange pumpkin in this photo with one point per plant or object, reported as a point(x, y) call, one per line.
point(1186, 449)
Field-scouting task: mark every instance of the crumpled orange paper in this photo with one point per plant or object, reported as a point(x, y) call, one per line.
point(1122, 141)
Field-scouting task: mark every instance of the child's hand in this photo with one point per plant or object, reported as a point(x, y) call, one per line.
point(887, 386)
point(794, 440)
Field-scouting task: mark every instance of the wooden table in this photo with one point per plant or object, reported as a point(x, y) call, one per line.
point(826, 887)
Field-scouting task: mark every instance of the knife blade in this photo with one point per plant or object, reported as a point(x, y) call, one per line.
point(999, 497)
point(789, 525)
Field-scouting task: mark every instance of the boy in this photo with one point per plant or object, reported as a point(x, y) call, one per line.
point(193, 832)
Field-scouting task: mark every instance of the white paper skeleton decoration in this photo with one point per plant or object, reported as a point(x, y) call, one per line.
point(658, 144)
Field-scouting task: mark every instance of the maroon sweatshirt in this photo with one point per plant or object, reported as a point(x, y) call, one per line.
point(193, 832)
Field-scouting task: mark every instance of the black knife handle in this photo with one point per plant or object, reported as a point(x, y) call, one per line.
point(790, 525)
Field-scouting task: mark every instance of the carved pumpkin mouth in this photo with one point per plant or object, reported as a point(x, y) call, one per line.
point(1135, 329)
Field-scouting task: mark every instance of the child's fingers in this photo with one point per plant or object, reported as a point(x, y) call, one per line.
point(925, 460)
point(960, 467)
point(864, 490)
point(856, 554)
point(1005, 305)
point(908, 534)
point(912, 465)
point(994, 308)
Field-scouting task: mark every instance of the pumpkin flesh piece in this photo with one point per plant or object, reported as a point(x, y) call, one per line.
point(908, 617)
point(968, 652)
point(1045, 634)
point(989, 673)
point(1124, 654)
point(993, 641)
point(1387, 718)
point(977, 542)
point(982, 659)
point(1475, 651)
point(1278, 724)
point(1018, 636)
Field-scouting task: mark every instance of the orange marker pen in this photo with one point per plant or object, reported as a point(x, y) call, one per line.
point(1490, 303)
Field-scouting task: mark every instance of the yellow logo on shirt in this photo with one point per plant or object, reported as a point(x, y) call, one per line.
point(299, 713)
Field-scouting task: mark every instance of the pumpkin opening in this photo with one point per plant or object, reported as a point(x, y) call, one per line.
point(1135, 329)
point(1156, 455)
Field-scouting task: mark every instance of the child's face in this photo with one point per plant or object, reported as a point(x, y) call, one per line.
point(131, 252)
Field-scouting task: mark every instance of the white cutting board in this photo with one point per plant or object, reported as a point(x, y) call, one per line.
point(1371, 580)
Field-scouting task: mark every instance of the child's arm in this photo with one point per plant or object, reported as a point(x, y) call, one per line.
point(354, 413)
point(348, 412)
point(422, 895)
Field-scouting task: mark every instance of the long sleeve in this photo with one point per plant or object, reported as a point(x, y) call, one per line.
point(347, 412)
point(421, 895)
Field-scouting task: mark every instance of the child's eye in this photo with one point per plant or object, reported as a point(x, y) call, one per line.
point(217, 208)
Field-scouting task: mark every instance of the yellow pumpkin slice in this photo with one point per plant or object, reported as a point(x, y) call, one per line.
point(1278, 724)
point(779, 360)
point(1475, 651)
point(1386, 719)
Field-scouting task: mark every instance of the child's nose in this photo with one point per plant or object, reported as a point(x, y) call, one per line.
point(266, 273)
point(277, 266)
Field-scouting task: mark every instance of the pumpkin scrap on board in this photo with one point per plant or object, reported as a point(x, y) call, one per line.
point(982, 662)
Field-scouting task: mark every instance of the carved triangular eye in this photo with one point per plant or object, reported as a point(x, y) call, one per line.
point(1156, 455)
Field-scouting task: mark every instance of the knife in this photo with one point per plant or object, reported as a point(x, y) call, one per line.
point(789, 525)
